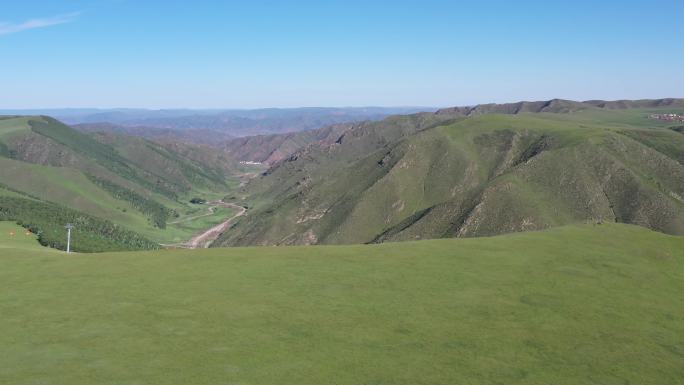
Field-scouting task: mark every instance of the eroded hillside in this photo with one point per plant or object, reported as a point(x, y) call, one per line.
point(474, 172)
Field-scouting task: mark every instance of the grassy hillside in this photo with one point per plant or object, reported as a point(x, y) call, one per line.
point(68, 187)
point(572, 305)
point(134, 163)
point(183, 172)
point(86, 151)
point(134, 183)
point(17, 238)
point(91, 234)
point(473, 173)
point(71, 188)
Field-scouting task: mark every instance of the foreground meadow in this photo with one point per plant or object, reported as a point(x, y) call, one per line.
point(594, 304)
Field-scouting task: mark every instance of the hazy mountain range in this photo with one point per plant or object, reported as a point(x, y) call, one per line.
point(228, 122)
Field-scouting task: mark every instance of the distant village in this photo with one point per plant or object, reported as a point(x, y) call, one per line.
point(668, 117)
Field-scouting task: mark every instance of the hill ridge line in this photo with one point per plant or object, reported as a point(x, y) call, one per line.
point(558, 106)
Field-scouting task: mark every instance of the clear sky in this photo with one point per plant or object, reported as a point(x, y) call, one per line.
point(245, 54)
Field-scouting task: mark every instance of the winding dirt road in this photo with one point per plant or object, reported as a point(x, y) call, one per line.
point(205, 238)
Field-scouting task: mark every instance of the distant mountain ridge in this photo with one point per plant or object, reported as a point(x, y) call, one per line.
point(270, 149)
point(559, 106)
point(210, 137)
point(228, 122)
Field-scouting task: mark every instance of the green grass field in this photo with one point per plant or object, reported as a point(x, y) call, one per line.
point(593, 304)
point(195, 222)
point(14, 238)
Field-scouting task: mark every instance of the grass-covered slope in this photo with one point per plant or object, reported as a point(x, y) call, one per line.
point(69, 187)
point(588, 305)
point(181, 171)
point(134, 183)
point(91, 234)
point(460, 175)
point(92, 197)
point(133, 159)
point(132, 162)
point(17, 238)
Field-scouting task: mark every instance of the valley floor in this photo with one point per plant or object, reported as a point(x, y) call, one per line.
point(206, 237)
point(595, 304)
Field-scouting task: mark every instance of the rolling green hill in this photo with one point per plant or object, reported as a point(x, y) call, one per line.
point(132, 159)
point(68, 187)
point(476, 171)
point(592, 304)
point(91, 234)
point(130, 182)
point(182, 170)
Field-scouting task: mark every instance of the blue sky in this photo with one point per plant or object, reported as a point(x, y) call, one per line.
point(245, 54)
